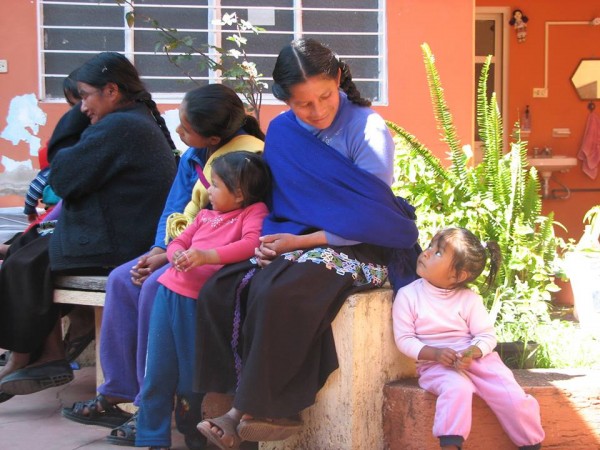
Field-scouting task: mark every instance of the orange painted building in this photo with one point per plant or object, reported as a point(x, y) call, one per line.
point(449, 28)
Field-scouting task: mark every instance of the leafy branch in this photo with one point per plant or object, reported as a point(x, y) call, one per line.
point(231, 65)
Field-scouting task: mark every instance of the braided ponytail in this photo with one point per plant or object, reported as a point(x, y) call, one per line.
point(348, 86)
point(145, 97)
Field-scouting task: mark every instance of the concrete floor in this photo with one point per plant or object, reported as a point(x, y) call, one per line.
point(34, 422)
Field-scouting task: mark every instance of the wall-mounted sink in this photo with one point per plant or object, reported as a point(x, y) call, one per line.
point(553, 164)
point(547, 165)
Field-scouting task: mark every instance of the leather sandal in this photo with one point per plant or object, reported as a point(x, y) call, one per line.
point(124, 434)
point(230, 439)
point(111, 415)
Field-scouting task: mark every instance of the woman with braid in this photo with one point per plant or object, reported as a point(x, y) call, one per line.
point(335, 228)
point(113, 182)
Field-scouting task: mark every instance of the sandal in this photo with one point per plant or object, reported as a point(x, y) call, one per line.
point(124, 434)
point(262, 430)
point(227, 425)
point(111, 415)
point(4, 357)
point(5, 397)
point(74, 347)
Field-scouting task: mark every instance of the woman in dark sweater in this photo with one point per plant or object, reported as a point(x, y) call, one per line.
point(113, 183)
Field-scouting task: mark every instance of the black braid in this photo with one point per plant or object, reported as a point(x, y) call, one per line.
point(348, 86)
point(146, 98)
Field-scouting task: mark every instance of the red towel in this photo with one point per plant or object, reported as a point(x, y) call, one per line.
point(589, 153)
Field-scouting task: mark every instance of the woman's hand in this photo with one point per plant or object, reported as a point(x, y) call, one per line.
point(273, 245)
point(153, 260)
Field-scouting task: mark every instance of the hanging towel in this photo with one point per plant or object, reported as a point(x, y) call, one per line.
point(589, 153)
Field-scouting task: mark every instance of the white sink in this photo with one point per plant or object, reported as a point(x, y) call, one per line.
point(546, 166)
point(553, 164)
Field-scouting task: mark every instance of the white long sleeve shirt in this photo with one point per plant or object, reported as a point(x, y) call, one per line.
point(426, 315)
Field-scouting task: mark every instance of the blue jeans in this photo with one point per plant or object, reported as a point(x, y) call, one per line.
point(169, 366)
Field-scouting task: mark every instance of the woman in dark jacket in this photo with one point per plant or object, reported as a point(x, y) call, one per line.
point(113, 183)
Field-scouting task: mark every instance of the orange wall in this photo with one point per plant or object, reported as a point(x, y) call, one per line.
point(562, 108)
point(446, 26)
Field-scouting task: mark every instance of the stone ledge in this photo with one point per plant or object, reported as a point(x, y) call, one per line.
point(348, 412)
point(569, 402)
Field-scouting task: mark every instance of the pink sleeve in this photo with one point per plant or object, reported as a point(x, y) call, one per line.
point(184, 240)
point(403, 317)
point(252, 219)
point(481, 325)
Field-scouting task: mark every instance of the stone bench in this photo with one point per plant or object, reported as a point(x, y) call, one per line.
point(569, 402)
point(88, 291)
point(348, 413)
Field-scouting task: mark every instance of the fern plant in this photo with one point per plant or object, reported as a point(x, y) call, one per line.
point(498, 199)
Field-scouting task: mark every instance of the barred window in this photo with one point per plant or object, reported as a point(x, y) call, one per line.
point(74, 30)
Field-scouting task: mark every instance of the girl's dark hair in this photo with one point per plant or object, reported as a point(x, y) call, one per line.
point(216, 110)
point(470, 254)
point(112, 67)
point(305, 58)
point(246, 171)
point(70, 86)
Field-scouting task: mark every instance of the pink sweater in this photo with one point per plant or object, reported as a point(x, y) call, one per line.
point(426, 315)
point(234, 235)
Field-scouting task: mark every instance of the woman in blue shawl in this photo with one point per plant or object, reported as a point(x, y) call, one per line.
point(335, 228)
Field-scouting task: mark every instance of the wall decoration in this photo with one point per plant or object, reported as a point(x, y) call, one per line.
point(519, 21)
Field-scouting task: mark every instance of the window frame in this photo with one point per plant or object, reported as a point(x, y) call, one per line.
point(215, 10)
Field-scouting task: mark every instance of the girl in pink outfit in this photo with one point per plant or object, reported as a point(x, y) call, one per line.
point(444, 325)
point(226, 234)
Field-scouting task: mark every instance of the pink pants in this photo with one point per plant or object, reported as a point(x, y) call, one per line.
point(490, 379)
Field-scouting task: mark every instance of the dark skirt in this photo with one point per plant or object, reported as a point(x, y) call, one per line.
point(27, 312)
point(286, 343)
point(27, 309)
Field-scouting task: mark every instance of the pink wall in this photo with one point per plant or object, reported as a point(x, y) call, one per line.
point(446, 26)
point(562, 108)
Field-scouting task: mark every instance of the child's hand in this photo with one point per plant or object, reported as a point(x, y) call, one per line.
point(445, 356)
point(466, 357)
point(185, 260)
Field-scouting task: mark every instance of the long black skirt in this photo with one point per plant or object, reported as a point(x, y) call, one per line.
point(27, 309)
point(27, 312)
point(265, 334)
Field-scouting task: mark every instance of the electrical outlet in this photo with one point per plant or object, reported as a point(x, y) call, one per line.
point(540, 92)
point(3, 66)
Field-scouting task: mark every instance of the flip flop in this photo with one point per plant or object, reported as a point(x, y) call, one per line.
point(111, 415)
point(262, 430)
point(227, 425)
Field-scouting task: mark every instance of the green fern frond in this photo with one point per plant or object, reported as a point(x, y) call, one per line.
point(443, 115)
point(419, 150)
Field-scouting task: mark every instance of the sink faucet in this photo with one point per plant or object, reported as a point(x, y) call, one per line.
point(547, 152)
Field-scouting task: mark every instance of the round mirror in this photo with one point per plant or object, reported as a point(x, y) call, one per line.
point(586, 79)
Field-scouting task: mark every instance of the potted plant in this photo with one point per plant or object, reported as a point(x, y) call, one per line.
point(498, 199)
point(582, 267)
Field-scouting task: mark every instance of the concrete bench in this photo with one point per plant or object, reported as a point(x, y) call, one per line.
point(84, 290)
point(348, 413)
point(569, 402)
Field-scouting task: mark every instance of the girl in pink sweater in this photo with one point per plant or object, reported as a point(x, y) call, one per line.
point(226, 234)
point(444, 325)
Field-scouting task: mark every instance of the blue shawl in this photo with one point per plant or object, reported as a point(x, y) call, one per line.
point(317, 188)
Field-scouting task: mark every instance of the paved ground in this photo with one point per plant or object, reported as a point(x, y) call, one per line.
point(33, 422)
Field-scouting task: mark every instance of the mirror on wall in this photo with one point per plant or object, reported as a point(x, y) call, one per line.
point(586, 79)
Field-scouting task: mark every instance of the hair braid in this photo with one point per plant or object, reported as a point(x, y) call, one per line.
point(348, 86)
point(146, 98)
